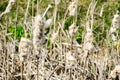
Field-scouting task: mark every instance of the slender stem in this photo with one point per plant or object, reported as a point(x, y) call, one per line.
point(49, 6)
point(70, 74)
point(22, 66)
point(37, 68)
point(55, 14)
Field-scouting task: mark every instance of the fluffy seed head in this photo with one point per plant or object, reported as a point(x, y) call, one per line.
point(113, 29)
point(116, 21)
point(88, 36)
point(72, 8)
point(88, 39)
point(24, 47)
point(38, 33)
point(88, 46)
point(48, 22)
point(71, 61)
point(72, 29)
point(115, 25)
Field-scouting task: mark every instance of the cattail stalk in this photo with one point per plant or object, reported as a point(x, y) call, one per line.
point(24, 48)
point(38, 38)
point(70, 63)
point(88, 39)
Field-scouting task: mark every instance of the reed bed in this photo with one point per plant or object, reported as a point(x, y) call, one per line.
point(59, 40)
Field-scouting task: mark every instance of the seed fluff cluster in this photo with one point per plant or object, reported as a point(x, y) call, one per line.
point(70, 60)
point(38, 34)
point(88, 40)
point(72, 8)
point(115, 26)
point(24, 48)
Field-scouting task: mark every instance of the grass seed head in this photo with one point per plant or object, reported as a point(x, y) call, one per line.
point(72, 8)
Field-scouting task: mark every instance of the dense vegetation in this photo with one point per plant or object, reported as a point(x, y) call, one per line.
point(76, 39)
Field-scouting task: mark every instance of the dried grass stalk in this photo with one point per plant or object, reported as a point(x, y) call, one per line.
point(9, 7)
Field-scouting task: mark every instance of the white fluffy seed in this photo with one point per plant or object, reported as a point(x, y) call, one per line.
point(72, 8)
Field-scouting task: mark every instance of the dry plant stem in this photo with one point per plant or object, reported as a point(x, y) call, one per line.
point(53, 71)
point(55, 14)
point(16, 19)
point(6, 64)
point(49, 6)
point(29, 67)
point(88, 11)
point(65, 63)
point(8, 8)
point(26, 13)
point(32, 10)
point(1, 14)
point(37, 68)
point(22, 67)
point(92, 13)
point(6, 55)
point(64, 18)
point(76, 11)
point(37, 7)
point(70, 74)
